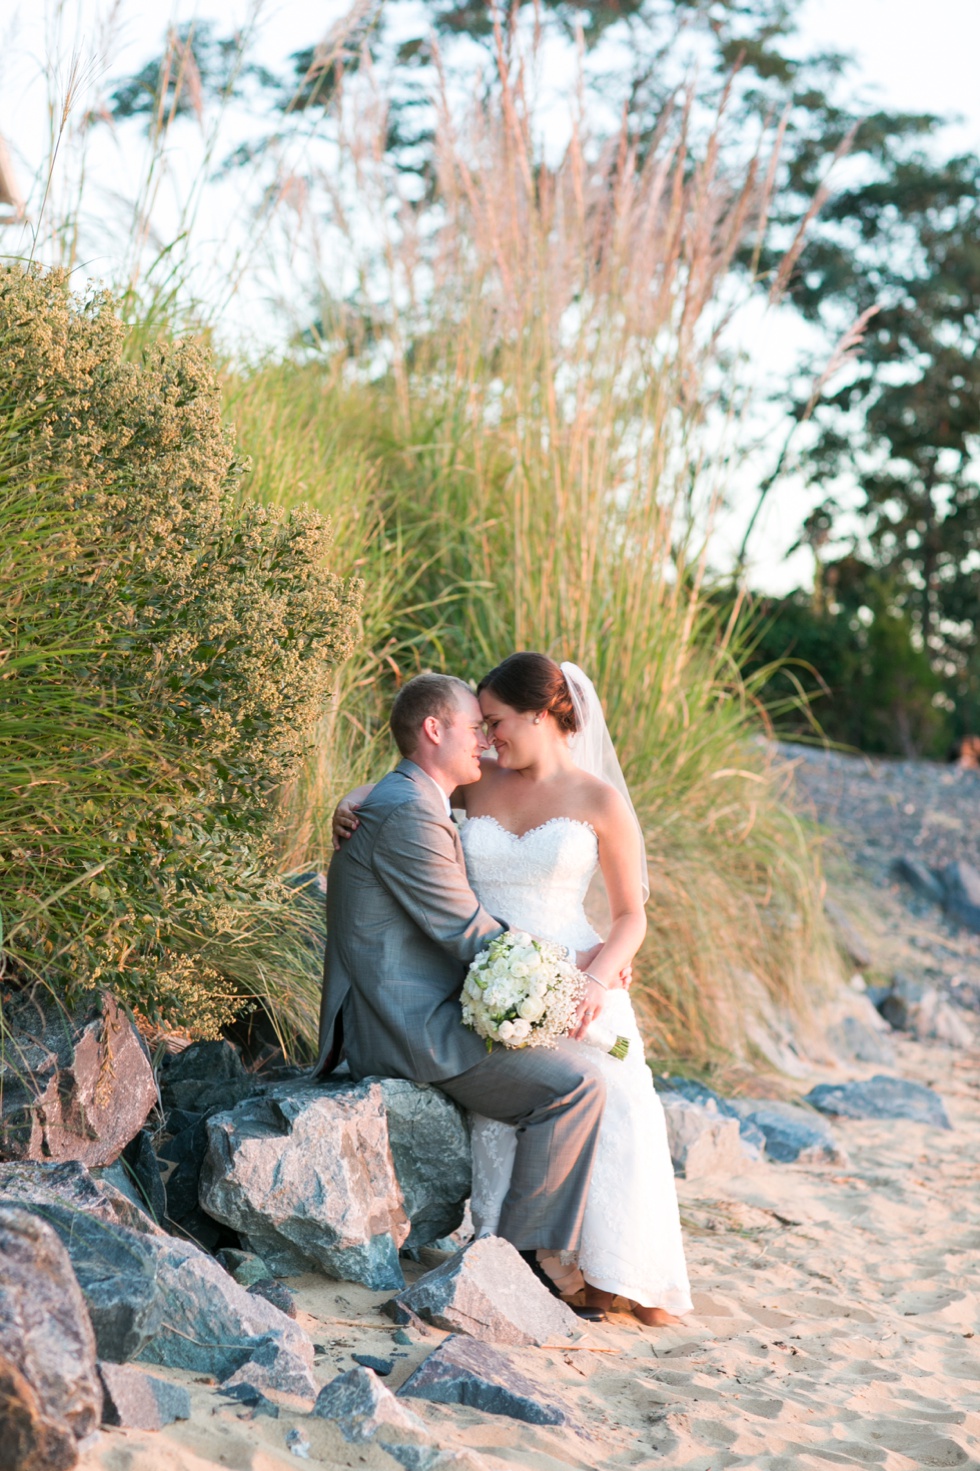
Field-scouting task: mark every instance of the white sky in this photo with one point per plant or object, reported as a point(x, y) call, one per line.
point(913, 54)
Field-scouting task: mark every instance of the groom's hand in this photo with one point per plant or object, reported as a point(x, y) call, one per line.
point(589, 1008)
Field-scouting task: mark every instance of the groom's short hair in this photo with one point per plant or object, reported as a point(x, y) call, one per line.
point(425, 695)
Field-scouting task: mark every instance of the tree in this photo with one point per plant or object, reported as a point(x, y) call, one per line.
point(905, 426)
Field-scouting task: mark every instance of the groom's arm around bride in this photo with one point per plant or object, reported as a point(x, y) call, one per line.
point(403, 924)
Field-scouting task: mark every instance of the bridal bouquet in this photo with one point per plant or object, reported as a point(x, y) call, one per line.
point(525, 993)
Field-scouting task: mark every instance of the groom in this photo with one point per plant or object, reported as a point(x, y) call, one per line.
point(403, 924)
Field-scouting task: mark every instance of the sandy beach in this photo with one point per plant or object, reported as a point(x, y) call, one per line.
point(837, 1306)
point(837, 1322)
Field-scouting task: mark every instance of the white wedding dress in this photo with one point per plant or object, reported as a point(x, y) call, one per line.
point(631, 1234)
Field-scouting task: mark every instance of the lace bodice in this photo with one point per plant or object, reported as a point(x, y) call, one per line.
point(537, 881)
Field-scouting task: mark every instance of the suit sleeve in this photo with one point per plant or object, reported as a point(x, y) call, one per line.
point(415, 858)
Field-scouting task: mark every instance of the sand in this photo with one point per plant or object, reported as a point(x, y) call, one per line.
point(836, 1323)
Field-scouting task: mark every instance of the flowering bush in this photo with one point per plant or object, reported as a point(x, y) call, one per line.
point(168, 646)
point(521, 992)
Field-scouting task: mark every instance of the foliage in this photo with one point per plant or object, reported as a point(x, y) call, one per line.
point(906, 424)
point(848, 667)
point(168, 646)
point(509, 437)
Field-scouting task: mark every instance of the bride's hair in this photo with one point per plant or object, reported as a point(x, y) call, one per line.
point(532, 682)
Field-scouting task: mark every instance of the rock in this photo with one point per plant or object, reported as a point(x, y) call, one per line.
point(151, 1295)
point(139, 1158)
point(244, 1266)
point(73, 1085)
point(207, 1062)
point(461, 1372)
point(138, 1401)
point(962, 884)
point(922, 879)
point(792, 1133)
point(914, 1006)
point(50, 1396)
point(382, 1367)
point(31, 1440)
point(703, 1141)
point(881, 1097)
point(430, 1146)
point(115, 1267)
point(486, 1291)
point(279, 1377)
point(753, 1138)
point(275, 1292)
point(307, 1174)
point(936, 1020)
point(183, 1159)
point(855, 1040)
point(361, 1406)
point(431, 1458)
point(850, 940)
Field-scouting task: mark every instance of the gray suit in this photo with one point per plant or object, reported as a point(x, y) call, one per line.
point(402, 926)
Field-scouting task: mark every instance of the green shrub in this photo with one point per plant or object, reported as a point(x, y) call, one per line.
point(866, 683)
point(168, 650)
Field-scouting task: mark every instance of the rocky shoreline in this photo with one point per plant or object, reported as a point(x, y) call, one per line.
point(226, 1264)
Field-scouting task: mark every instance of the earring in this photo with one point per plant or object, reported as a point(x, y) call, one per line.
point(536, 720)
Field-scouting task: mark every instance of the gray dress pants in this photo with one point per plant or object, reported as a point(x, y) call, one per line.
point(555, 1098)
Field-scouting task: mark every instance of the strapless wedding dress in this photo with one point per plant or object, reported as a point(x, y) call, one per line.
point(631, 1234)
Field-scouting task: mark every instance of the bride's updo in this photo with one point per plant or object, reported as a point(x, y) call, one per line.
point(528, 682)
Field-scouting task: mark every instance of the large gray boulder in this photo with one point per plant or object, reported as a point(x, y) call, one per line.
point(50, 1397)
point(430, 1145)
point(306, 1174)
point(486, 1291)
point(704, 1142)
point(73, 1085)
point(881, 1097)
point(150, 1295)
point(30, 1439)
point(461, 1372)
point(792, 1134)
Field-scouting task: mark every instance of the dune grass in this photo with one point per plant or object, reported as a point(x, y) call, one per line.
point(515, 411)
point(538, 466)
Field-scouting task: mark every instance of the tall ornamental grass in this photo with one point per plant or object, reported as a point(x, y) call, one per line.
point(519, 437)
point(168, 647)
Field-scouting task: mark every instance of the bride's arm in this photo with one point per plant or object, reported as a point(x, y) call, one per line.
point(619, 859)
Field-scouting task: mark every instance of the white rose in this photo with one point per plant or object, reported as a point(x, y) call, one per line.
point(521, 1030)
point(519, 970)
point(520, 937)
point(532, 1009)
point(506, 1030)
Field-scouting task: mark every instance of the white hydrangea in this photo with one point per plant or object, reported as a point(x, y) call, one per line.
point(521, 992)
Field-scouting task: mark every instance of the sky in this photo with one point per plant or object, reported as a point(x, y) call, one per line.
point(912, 54)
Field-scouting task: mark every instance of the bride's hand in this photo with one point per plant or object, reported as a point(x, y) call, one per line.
point(344, 823)
point(590, 1007)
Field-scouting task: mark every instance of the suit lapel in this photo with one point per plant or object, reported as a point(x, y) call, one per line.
point(429, 792)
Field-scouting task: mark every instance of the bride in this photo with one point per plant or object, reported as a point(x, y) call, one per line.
point(549, 822)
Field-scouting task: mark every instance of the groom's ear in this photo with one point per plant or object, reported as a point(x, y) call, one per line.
point(432, 727)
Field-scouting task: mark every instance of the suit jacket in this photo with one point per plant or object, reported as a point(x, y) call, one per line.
point(403, 924)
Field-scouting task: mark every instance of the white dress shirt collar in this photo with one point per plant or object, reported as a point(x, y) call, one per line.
point(442, 795)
